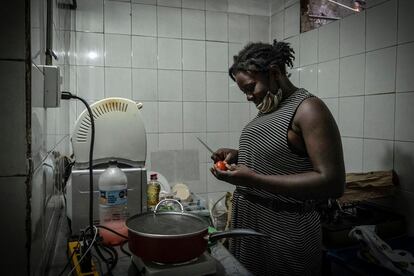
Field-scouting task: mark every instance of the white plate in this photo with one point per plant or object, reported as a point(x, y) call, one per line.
point(165, 186)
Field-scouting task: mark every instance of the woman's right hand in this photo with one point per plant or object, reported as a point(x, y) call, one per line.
point(225, 154)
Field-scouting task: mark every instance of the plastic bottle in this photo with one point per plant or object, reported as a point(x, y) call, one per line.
point(153, 192)
point(113, 211)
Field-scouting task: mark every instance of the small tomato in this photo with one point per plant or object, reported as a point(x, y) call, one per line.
point(221, 165)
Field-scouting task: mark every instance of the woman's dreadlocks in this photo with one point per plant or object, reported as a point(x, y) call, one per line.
point(260, 56)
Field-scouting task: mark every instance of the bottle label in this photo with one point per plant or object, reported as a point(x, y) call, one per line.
point(153, 191)
point(113, 197)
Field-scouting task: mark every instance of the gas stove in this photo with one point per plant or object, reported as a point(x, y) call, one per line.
point(201, 266)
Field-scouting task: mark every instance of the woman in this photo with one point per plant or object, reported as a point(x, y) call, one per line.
point(289, 157)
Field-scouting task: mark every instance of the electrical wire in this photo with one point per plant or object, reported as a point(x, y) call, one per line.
point(87, 250)
point(123, 249)
point(113, 231)
point(68, 95)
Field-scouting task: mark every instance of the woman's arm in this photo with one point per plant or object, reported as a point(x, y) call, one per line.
point(323, 145)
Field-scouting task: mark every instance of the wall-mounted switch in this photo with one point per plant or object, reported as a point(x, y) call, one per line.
point(52, 84)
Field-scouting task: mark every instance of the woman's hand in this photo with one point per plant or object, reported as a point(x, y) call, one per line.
point(230, 156)
point(239, 175)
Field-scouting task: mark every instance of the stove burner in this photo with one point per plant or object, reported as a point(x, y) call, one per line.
point(203, 265)
point(177, 264)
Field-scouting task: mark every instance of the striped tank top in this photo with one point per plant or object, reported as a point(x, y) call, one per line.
point(294, 243)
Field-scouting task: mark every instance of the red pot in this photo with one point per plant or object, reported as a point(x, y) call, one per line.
point(173, 237)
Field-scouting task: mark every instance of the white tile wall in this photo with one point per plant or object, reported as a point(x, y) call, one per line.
point(403, 116)
point(117, 17)
point(382, 25)
point(90, 82)
point(169, 22)
point(194, 57)
point(89, 49)
point(118, 82)
point(144, 20)
point(378, 155)
point(169, 3)
point(277, 6)
point(217, 119)
point(217, 56)
point(217, 86)
point(238, 28)
point(328, 79)
point(195, 115)
point(328, 43)
point(117, 50)
point(379, 116)
point(144, 84)
point(170, 141)
point(216, 26)
point(194, 86)
point(149, 2)
point(169, 53)
point(309, 48)
point(193, 24)
point(144, 52)
point(353, 153)
point(351, 116)
point(405, 68)
point(405, 21)
point(352, 35)
point(292, 21)
point(308, 77)
point(380, 71)
point(259, 29)
point(170, 85)
point(352, 75)
point(89, 16)
point(170, 117)
point(216, 5)
point(194, 4)
point(278, 26)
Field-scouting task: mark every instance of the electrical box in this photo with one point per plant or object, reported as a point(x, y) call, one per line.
point(52, 84)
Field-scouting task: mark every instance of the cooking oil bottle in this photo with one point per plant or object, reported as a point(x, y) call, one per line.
point(153, 192)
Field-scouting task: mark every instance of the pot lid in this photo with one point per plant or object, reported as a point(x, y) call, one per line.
point(166, 224)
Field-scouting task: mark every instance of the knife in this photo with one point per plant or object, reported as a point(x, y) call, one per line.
point(205, 145)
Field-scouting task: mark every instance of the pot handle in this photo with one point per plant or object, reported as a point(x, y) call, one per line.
point(234, 233)
point(168, 199)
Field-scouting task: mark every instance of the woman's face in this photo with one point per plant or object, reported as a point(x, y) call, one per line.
point(253, 84)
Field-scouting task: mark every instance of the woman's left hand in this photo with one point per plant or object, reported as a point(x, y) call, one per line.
point(236, 174)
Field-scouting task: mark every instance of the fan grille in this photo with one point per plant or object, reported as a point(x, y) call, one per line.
point(97, 112)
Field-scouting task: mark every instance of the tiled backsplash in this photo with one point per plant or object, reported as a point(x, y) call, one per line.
point(362, 68)
point(173, 56)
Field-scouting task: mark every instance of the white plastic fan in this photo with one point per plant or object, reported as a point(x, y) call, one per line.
point(119, 133)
